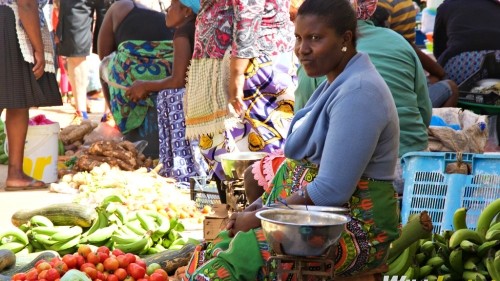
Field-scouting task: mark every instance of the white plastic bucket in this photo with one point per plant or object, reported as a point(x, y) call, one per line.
point(41, 152)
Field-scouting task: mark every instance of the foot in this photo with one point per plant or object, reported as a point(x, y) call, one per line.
point(25, 183)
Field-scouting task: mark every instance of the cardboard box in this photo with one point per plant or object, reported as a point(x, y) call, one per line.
point(214, 223)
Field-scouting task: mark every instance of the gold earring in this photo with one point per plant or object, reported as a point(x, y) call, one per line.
point(344, 49)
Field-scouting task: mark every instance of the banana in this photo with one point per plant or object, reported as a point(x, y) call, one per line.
point(148, 246)
point(412, 272)
point(166, 243)
point(45, 240)
point(495, 226)
point(111, 198)
point(124, 239)
point(39, 220)
point(136, 246)
point(429, 277)
point(436, 237)
point(71, 233)
point(459, 219)
point(146, 221)
point(64, 245)
point(122, 214)
point(490, 266)
point(492, 235)
point(427, 247)
point(47, 230)
point(496, 265)
point(470, 264)
point(456, 262)
point(420, 258)
point(401, 264)
point(100, 235)
point(13, 246)
point(135, 226)
point(445, 277)
point(447, 234)
point(435, 262)
point(37, 246)
point(486, 217)
point(424, 271)
point(15, 234)
point(469, 246)
point(471, 275)
point(24, 227)
point(464, 234)
point(96, 224)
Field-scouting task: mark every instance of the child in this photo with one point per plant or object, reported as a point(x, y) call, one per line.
point(176, 152)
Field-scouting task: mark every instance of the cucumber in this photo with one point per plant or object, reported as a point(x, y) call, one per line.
point(59, 214)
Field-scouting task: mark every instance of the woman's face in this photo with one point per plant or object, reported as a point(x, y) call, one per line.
point(318, 47)
point(176, 14)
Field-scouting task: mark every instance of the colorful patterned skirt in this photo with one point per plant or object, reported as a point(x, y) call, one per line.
point(363, 246)
point(269, 100)
point(462, 66)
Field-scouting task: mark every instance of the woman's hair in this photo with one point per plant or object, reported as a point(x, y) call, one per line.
point(339, 14)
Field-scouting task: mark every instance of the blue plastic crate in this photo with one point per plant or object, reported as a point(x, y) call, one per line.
point(428, 187)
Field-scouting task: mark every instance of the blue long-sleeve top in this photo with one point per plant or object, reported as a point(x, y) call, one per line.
point(351, 131)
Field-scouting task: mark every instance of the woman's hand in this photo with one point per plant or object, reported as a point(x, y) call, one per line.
point(38, 68)
point(138, 91)
point(242, 221)
point(236, 92)
point(256, 205)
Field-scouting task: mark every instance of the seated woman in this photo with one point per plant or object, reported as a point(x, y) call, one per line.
point(341, 151)
point(144, 50)
point(464, 32)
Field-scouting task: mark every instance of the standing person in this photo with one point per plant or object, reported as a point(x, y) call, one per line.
point(27, 79)
point(138, 46)
point(74, 40)
point(176, 153)
point(341, 151)
point(402, 17)
point(242, 56)
point(464, 32)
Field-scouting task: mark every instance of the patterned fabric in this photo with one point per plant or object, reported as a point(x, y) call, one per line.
point(176, 152)
point(363, 245)
point(134, 60)
point(251, 28)
point(239, 28)
point(402, 17)
point(462, 66)
point(364, 8)
point(24, 42)
point(268, 98)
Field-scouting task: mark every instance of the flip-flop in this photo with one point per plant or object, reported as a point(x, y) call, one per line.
point(30, 186)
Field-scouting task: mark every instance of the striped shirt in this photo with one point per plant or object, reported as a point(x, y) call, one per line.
point(402, 16)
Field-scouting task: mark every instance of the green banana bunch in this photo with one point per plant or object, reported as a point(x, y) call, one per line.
point(39, 220)
point(459, 219)
point(139, 246)
point(486, 217)
point(99, 222)
point(400, 265)
point(56, 238)
point(13, 234)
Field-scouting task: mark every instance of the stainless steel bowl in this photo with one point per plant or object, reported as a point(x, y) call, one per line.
point(334, 210)
point(301, 233)
point(234, 164)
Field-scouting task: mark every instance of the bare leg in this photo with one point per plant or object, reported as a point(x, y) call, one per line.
point(252, 188)
point(453, 99)
point(16, 122)
point(79, 78)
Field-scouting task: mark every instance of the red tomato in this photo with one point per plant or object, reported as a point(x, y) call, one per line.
point(32, 274)
point(43, 266)
point(101, 276)
point(102, 256)
point(39, 262)
point(103, 249)
point(91, 272)
point(61, 267)
point(70, 260)
point(130, 257)
point(162, 272)
point(99, 267)
point(117, 252)
point(93, 258)
point(53, 274)
point(136, 271)
point(123, 261)
point(112, 277)
point(141, 263)
point(21, 276)
point(42, 274)
point(84, 250)
point(157, 277)
point(121, 273)
point(87, 264)
point(111, 264)
point(80, 260)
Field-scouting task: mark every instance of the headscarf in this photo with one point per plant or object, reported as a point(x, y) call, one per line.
point(193, 4)
point(364, 8)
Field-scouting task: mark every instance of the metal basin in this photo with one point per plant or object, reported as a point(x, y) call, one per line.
point(327, 209)
point(234, 164)
point(301, 233)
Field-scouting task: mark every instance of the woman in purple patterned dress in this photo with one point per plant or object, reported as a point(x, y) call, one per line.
point(242, 57)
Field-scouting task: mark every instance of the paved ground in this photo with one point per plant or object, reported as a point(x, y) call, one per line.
point(13, 201)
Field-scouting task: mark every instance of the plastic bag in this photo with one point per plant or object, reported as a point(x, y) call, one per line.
point(103, 132)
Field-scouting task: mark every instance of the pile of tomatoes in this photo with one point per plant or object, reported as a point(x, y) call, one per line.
point(101, 265)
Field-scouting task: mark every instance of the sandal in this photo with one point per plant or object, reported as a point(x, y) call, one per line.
point(32, 185)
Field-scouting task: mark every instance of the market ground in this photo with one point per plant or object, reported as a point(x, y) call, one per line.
point(13, 201)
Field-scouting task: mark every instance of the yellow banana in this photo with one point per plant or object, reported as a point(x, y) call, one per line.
point(459, 219)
